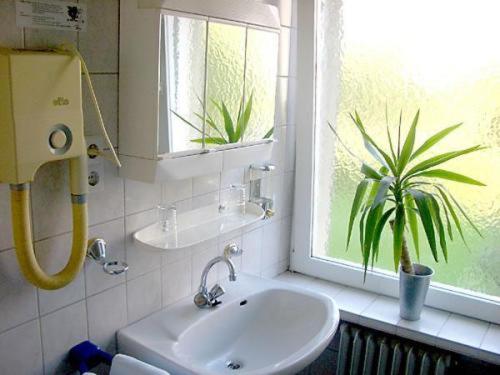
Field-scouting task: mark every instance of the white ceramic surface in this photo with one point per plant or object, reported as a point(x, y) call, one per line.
point(267, 326)
point(197, 226)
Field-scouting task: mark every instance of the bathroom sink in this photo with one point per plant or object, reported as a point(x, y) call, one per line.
point(261, 327)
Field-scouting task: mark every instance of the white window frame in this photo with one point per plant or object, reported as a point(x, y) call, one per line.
point(386, 283)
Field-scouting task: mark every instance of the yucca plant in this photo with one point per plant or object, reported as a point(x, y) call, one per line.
point(404, 190)
point(232, 130)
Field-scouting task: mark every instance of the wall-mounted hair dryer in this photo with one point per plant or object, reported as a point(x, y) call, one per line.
point(41, 120)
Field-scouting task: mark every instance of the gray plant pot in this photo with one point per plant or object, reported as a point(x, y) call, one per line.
point(413, 290)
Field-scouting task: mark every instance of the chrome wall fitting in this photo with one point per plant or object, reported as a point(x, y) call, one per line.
point(96, 250)
point(258, 193)
point(208, 299)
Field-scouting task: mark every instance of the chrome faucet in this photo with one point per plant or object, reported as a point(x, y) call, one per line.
point(205, 298)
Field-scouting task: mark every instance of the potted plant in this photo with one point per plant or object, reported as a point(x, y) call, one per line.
point(401, 192)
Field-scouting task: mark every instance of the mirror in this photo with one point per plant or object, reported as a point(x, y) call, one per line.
point(217, 84)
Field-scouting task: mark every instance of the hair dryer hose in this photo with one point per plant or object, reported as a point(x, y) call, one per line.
point(20, 202)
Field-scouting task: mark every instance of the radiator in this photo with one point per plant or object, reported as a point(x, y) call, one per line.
point(365, 352)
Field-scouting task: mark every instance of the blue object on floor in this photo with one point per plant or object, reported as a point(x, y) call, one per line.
point(86, 355)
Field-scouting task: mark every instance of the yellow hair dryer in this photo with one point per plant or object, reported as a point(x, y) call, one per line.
point(41, 120)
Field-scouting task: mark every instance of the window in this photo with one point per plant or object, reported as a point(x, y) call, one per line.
point(436, 56)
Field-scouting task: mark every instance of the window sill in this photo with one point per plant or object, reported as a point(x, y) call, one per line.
point(449, 331)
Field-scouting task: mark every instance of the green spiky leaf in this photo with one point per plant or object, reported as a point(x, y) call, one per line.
point(356, 205)
point(448, 175)
point(408, 145)
point(433, 140)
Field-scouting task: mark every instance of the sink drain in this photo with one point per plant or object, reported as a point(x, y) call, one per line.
point(234, 365)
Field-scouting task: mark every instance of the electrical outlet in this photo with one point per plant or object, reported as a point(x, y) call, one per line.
point(95, 165)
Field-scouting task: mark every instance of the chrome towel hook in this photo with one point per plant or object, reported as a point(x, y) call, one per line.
point(96, 250)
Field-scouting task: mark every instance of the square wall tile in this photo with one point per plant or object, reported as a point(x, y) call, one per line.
point(290, 149)
point(271, 244)
point(252, 252)
point(201, 254)
point(10, 34)
point(173, 256)
point(291, 111)
point(140, 261)
point(354, 301)
point(205, 199)
point(284, 52)
point(61, 330)
point(460, 332)
point(425, 329)
point(141, 196)
point(232, 177)
point(99, 43)
point(96, 280)
point(222, 269)
point(274, 270)
point(282, 108)
point(287, 194)
point(21, 350)
point(382, 314)
point(107, 313)
point(18, 301)
point(143, 295)
point(278, 153)
point(174, 191)
point(176, 281)
point(6, 241)
point(52, 255)
point(292, 65)
point(108, 203)
point(106, 91)
point(491, 341)
point(286, 238)
point(206, 184)
point(277, 189)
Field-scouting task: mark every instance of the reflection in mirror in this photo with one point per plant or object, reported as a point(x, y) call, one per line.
point(225, 80)
point(260, 82)
point(218, 84)
point(186, 45)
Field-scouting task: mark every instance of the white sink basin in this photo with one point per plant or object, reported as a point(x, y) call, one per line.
point(263, 326)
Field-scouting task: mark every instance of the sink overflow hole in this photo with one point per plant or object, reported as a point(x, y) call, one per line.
point(233, 365)
point(243, 303)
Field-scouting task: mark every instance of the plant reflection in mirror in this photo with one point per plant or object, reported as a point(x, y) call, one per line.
point(232, 130)
point(402, 190)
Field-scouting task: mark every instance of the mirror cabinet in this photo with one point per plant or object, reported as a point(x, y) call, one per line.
point(197, 86)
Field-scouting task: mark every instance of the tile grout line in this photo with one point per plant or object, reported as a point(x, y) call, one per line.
point(444, 324)
point(484, 335)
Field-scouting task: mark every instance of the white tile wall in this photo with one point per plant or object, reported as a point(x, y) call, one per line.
point(38, 327)
point(21, 350)
point(107, 312)
point(61, 330)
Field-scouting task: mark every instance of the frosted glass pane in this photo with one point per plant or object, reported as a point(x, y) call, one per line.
point(225, 70)
point(186, 44)
point(441, 57)
point(260, 79)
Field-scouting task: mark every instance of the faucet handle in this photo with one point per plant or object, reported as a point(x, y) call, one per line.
point(216, 292)
point(232, 250)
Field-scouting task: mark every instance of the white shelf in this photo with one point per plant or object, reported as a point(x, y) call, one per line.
point(197, 226)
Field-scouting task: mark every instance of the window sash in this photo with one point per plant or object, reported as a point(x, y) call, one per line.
point(440, 296)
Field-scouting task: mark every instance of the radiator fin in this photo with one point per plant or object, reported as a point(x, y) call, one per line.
point(365, 352)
